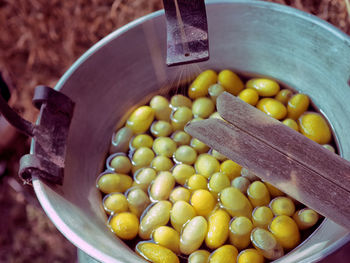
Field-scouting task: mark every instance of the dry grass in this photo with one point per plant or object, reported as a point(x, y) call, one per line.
point(39, 40)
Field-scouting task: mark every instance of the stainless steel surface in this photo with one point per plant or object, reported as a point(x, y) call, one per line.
point(187, 32)
point(114, 75)
point(85, 258)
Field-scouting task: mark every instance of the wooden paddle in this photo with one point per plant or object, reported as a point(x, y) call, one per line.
point(279, 155)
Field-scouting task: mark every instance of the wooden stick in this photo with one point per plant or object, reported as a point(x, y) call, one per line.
point(284, 139)
point(276, 156)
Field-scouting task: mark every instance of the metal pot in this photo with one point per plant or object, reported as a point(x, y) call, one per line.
point(117, 73)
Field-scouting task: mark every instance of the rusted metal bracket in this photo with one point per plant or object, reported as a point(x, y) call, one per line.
point(187, 31)
point(49, 134)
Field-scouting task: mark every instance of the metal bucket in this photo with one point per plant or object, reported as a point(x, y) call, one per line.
point(117, 73)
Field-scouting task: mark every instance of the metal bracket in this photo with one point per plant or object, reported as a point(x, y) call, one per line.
point(187, 31)
point(49, 134)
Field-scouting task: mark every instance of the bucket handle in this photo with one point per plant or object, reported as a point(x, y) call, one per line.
point(49, 134)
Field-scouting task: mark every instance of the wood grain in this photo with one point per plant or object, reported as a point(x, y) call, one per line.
point(329, 165)
point(292, 177)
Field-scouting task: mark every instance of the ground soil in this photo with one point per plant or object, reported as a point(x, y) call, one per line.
point(39, 40)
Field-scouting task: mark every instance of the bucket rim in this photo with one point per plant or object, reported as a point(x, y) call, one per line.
point(39, 189)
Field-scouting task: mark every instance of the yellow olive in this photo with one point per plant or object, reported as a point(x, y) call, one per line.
point(120, 164)
point(231, 169)
point(264, 87)
point(235, 203)
point(142, 157)
point(282, 206)
point(250, 255)
point(286, 231)
point(138, 201)
point(258, 194)
point(291, 124)
point(217, 182)
point(185, 154)
point(266, 243)
point(142, 140)
point(218, 229)
point(156, 215)
point(224, 254)
point(199, 256)
point(161, 163)
point(140, 120)
point(120, 140)
point(230, 82)
point(193, 235)
point(203, 202)
point(315, 127)
point(161, 108)
point(200, 86)
point(161, 129)
point(206, 165)
point(262, 216)
point(272, 107)
point(182, 172)
point(113, 182)
point(240, 229)
point(115, 203)
point(249, 96)
point(305, 218)
point(167, 237)
point(180, 193)
point(125, 225)
point(180, 117)
point(156, 253)
point(284, 95)
point(181, 138)
point(199, 146)
point(179, 100)
point(214, 91)
point(196, 182)
point(162, 186)
point(180, 214)
point(202, 107)
point(297, 105)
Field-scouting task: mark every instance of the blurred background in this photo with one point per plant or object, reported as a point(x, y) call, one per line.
point(39, 41)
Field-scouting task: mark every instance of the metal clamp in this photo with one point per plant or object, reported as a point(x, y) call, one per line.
point(187, 31)
point(49, 134)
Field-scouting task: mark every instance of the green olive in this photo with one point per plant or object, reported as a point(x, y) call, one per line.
point(185, 154)
point(161, 129)
point(161, 107)
point(121, 139)
point(164, 146)
point(141, 140)
point(180, 117)
point(181, 138)
point(113, 182)
point(203, 107)
point(142, 157)
point(120, 164)
point(179, 100)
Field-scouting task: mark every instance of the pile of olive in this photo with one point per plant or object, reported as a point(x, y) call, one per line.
point(180, 199)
